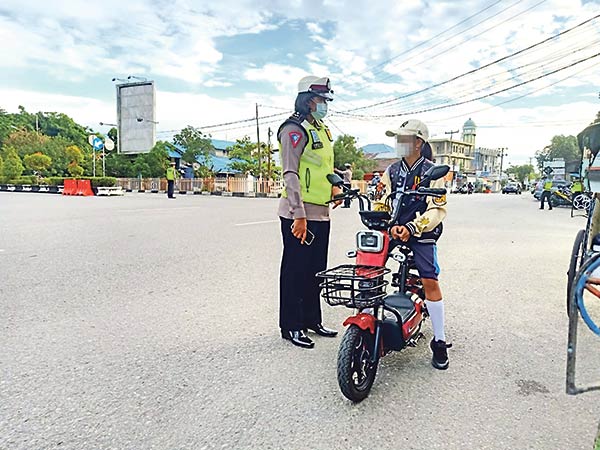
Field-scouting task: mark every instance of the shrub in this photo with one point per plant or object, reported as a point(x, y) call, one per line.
point(27, 179)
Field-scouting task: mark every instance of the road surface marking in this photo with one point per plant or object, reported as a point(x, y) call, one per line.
point(255, 223)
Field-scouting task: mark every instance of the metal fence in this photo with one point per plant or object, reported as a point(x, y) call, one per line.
point(218, 184)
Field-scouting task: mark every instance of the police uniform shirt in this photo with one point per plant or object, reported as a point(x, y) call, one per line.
point(293, 207)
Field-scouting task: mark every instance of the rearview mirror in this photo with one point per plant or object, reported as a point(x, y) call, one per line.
point(435, 173)
point(335, 179)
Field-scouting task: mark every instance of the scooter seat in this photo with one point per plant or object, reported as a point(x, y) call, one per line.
point(401, 303)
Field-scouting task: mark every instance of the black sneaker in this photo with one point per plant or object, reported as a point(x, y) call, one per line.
point(439, 359)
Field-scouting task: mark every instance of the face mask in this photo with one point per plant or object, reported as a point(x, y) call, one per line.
point(321, 111)
point(403, 149)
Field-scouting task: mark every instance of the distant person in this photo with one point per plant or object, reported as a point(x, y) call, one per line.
point(347, 176)
point(546, 193)
point(171, 177)
point(376, 179)
point(470, 188)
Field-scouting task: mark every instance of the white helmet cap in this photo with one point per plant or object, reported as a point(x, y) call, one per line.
point(320, 86)
point(376, 174)
point(412, 127)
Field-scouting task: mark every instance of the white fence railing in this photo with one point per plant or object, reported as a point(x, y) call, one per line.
point(219, 184)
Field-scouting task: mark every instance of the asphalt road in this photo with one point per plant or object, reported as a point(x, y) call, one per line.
point(138, 322)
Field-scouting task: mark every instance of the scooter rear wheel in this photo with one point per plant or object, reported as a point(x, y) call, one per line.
point(355, 371)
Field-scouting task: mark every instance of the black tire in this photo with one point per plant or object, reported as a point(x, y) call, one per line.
point(354, 371)
point(576, 257)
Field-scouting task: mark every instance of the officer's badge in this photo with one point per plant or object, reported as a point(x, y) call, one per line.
point(316, 140)
point(439, 201)
point(329, 134)
point(295, 138)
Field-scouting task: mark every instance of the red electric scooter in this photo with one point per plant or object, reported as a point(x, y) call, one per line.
point(382, 322)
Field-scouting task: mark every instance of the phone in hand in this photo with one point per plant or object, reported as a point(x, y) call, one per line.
point(310, 237)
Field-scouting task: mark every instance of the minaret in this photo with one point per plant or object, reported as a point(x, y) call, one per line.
point(469, 132)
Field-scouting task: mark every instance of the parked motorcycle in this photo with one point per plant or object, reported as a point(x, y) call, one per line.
point(381, 322)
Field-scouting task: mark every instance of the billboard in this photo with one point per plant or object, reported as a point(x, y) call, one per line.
point(136, 117)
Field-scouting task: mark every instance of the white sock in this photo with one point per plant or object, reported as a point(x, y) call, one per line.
point(436, 312)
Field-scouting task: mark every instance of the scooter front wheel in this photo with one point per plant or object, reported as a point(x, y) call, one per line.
point(355, 369)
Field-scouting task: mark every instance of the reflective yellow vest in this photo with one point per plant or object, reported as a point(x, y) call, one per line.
point(548, 185)
point(170, 173)
point(316, 163)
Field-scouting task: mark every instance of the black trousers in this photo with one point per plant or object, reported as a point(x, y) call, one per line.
point(299, 292)
point(170, 188)
point(545, 196)
point(347, 200)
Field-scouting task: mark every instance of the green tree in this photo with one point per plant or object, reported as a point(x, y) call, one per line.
point(560, 147)
point(521, 173)
point(345, 151)
point(119, 165)
point(13, 167)
point(74, 169)
point(1, 166)
point(26, 142)
point(198, 146)
point(244, 158)
point(37, 162)
point(74, 154)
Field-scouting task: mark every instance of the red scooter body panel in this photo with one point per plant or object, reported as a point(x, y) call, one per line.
point(363, 321)
point(411, 326)
point(374, 259)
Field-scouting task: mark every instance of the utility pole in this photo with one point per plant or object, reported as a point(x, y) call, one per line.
point(451, 133)
point(269, 134)
point(258, 144)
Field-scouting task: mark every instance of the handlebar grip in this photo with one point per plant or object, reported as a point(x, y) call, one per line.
point(432, 191)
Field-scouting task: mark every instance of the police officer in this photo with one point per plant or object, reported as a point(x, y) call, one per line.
point(306, 149)
point(171, 175)
point(546, 193)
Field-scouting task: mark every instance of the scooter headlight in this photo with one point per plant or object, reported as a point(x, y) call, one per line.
point(369, 241)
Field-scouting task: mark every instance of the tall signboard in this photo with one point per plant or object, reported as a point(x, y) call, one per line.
point(136, 109)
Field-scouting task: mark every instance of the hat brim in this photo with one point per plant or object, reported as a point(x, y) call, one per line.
point(404, 132)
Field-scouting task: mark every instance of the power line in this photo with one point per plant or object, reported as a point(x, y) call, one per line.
point(486, 95)
point(504, 58)
point(429, 58)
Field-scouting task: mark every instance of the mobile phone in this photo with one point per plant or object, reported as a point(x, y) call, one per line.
point(310, 237)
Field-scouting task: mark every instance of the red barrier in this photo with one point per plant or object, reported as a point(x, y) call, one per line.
point(84, 187)
point(70, 187)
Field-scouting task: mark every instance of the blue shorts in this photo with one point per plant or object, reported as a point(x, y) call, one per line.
point(426, 260)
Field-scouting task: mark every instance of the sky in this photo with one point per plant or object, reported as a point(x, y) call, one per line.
point(522, 70)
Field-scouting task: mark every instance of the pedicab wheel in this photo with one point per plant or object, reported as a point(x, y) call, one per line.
point(582, 201)
point(576, 257)
point(355, 371)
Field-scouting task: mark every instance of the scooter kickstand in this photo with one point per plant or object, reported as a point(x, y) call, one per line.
point(415, 340)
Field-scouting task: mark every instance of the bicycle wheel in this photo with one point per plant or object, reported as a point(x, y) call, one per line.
point(586, 292)
point(355, 371)
point(574, 263)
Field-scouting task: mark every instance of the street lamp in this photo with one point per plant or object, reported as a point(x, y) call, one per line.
point(138, 78)
point(141, 119)
point(116, 127)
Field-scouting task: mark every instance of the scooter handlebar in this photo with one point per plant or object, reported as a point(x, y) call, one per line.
point(434, 192)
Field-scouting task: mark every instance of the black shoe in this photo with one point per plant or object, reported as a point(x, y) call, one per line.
point(322, 331)
point(541, 208)
point(439, 359)
point(298, 337)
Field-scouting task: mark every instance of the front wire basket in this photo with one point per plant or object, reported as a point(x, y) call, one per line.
point(354, 286)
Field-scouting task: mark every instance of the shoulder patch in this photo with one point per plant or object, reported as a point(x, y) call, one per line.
point(439, 201)
point(295, 138)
